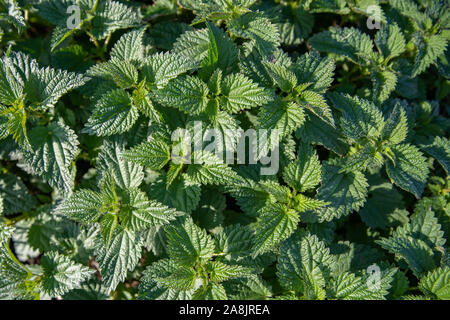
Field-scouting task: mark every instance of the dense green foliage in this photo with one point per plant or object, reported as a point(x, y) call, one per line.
point(94, 205)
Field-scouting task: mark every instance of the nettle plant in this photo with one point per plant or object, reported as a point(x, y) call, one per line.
point(120, 130)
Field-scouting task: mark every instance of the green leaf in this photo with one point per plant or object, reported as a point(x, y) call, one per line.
point(304, 266)
point(249, 288)
point(275, 225)
point(436, 283)
point(381, 206)
point(396, 127)
point(46, 86)
point(53, 149)
point(183, 278)
point(209, 169)
point(110, 163)
point(240, 93)
point(415, 252)
point(305, 172)
point(186, 93)
point(317, 131)
point(348, 286)
point(119, 256)
point(440, 150)
point(154, 286)
point(187, 244)
point(114, 113)
point(390, 41)
point(122, 72)
point(360, 118)
point(257, 28)
point(220, 272)
point(348, 42)
point(137, 212)
point(14, 15)
point(284, 78)
point(222, 53)
point(285, 117)
point(160, 68)
point(317, 105)
point(384, 83)
point(212, 291)
point(13, 275)
point(111, 16)
point(61, 274)
point(428, 50)
point(130, 46)
point(153, 154)
point(15, 196)
point(83, 205)
point(180, 194)
point(193, 44)
point(410, 170)
point(344, 192)
point(311, 68)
